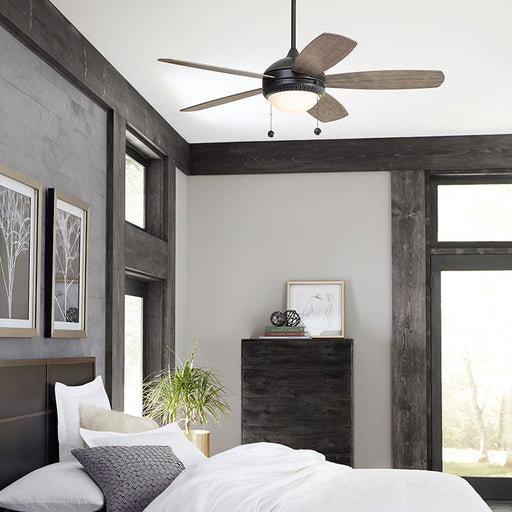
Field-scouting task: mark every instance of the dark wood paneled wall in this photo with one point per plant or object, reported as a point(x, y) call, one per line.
point(41, 27)
point(391, 154)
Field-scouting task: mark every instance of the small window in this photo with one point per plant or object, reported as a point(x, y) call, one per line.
point(474, 212)
point(134, 343)
point(135, 195)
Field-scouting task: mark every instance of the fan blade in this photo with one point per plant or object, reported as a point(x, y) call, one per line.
point(222, 101)
point(328, 109)
point(411, 79)
point(218, 69)
point(322, 53)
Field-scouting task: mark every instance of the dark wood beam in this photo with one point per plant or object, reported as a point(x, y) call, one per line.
point(42, 28)
point(115, 268)
point(411, 412)
point(391, 154)
point(169, 292)
point(145, 254)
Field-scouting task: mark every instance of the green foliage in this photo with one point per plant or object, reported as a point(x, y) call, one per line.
point(476, 469)
point(185, 394)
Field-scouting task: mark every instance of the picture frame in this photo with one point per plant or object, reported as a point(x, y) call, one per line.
point(67, 246)
point(20, 254)
point(320, 305)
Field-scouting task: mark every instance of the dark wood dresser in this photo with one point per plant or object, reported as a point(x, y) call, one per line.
point(299, 393)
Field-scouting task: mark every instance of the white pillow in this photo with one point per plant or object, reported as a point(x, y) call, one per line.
point(169, 435)
point(59, 487)
point(93, 417)
point(68, 400)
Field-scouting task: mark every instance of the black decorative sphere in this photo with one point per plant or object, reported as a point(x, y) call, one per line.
point(318, 131)
point(292, 318)
point(270, 133)
point(277, 318)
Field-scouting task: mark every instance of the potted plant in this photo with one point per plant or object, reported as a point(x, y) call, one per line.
point(186, 394)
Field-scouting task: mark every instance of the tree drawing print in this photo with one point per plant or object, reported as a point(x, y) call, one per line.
point(15, 225)
point(68, 231)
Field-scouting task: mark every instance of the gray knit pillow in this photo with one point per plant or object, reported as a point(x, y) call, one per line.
point(130, 477)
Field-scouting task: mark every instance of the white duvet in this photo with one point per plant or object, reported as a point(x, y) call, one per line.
point(265, 477)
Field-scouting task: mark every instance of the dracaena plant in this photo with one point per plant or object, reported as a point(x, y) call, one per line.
point(185, 394)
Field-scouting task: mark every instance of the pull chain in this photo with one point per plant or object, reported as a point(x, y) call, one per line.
point(317, 129)
point(270, 132)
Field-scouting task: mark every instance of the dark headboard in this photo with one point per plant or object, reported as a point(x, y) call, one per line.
point(28, 418)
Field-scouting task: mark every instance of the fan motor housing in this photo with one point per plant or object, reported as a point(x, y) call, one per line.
point(287, 80)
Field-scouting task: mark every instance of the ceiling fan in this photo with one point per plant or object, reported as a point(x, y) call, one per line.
point(297, 82)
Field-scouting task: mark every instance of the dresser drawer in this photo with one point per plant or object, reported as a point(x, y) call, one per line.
point(286, 382)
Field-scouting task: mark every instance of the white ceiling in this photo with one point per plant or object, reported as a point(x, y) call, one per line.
point(469, 40)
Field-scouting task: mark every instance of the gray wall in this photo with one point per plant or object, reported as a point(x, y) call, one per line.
point(52, 132)
point(246, 236)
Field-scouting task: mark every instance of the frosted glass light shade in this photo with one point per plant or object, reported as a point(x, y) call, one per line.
point(293, 102)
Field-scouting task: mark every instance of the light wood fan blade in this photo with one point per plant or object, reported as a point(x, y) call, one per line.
point(322, 53)
point(328, 109)
point(399, 79)
point(222, 101)
point(218, 69)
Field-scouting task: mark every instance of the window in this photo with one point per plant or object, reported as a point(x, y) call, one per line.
point(135, 189)
point(134, 345)
point(473, 211)
point(471, 300)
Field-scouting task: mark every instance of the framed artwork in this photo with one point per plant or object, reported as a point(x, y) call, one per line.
point(320, 305)
point(20, 254)
point(67, 240)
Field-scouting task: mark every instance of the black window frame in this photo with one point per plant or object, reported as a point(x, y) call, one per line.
point(455, 255)
point(145, 162)
point(139, 288)
point(465, 179)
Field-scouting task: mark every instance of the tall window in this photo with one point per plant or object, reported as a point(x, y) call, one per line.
point(135, 189)
point(134, 345)
point(471, 298)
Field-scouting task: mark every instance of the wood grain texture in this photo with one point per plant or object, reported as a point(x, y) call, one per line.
point(352, 155)
point(290, 383)
point(322, 53)
point(155, 328)
point(304, 355)
point(335, 444)
point(222, 101)
point(145, 254)
point(156, 200)
point(209, 67)
point(386, 79)
point(169, 292)
point(328, 109)
point(411, 411)
point(41, 27)
point(115, 270)
point(280, 405)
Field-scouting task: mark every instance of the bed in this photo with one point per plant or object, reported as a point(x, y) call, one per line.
point(260, 477)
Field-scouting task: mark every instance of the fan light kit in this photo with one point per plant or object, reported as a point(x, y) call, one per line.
point(297, 82)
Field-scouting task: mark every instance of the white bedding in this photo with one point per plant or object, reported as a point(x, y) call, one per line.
point(265, 477)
